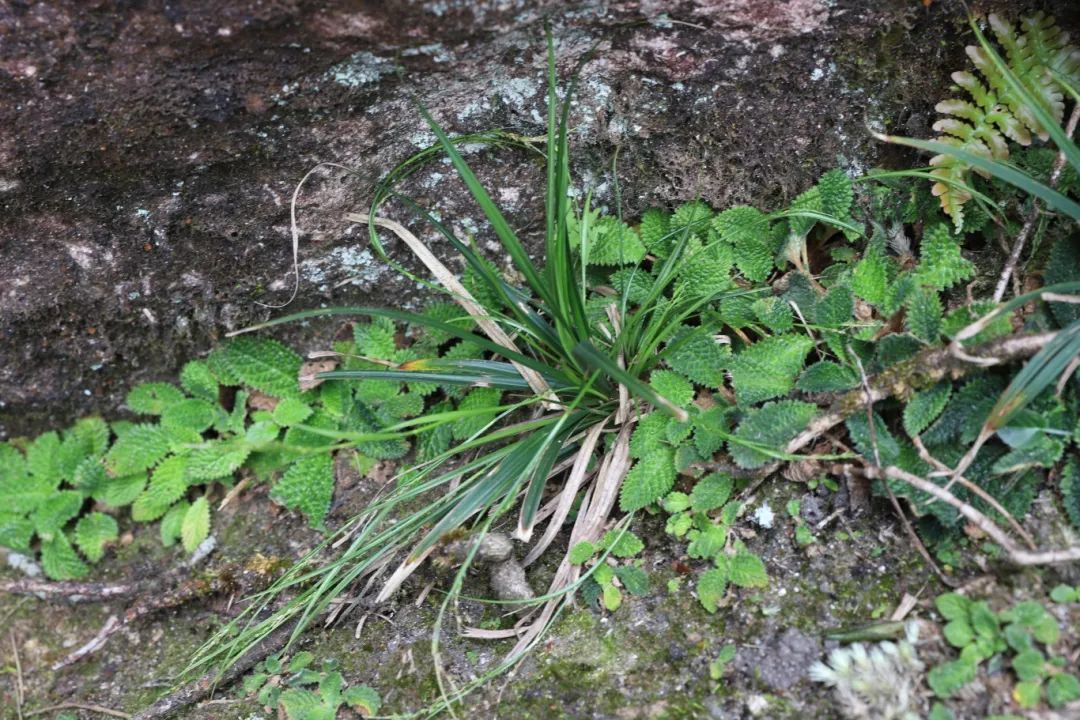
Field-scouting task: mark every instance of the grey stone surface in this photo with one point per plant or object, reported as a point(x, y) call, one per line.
point(148, 150)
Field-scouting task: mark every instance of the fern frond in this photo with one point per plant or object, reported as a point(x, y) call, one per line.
point(994, 114)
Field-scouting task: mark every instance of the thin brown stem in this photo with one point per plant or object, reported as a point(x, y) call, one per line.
point(1033, 215)
point(1015, 553)
point(79, 706)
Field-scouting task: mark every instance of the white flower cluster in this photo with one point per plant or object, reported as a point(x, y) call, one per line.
point(876, 683)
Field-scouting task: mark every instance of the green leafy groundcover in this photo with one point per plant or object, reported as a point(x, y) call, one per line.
point(721, 334)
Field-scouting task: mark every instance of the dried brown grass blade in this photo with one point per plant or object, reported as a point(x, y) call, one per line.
point(462, 296)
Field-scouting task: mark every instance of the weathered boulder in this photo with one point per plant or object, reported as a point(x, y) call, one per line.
point(149, 150)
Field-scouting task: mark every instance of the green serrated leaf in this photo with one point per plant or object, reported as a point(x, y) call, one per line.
point(120, 491)
point(581, 553)
point(197, 378)
point(217, 460)
point(924, 407)
point(152, 398)
point(60, 561)
point(711, 492)
point(43, 457)
point(924, 312)
point(291, 411)
point(767, 430)
point(93, 532)
point(673, 386)
point(827, 376)
point(650, 479)
point(695, 353)
point(940, 263)
point(747, 570)
point(16, 532)
point(622, 543)
point(767, 369)
point(55, 512)
point(195, 526)
point(308, 486)
point(634, 579)
point(711, 587)
point(1062, 689)
point(188, 415)
point(137, 449)
point(168, 483)
point(265, 365)
point(173, 522)
point(1070, 490)
point(363, 700)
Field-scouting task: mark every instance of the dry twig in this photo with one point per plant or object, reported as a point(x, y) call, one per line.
point(1016, 554)
point(1033, 215)
point(79, 706)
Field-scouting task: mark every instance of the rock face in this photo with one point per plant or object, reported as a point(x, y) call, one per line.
point(149, 150)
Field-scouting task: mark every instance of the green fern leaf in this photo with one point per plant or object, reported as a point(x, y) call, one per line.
point(196, 524)
point(137, 449)
point(650, 479)
point(827, 376)
point(152, 398)
point(265, 365)
point(308, 486)
point(93, 532)
point(940, 263)
point(924, 315)
point(766, 430)
point(767, 369)
point(1070, 490)
point(60, 561)
point(925, 407)
point(199, 381)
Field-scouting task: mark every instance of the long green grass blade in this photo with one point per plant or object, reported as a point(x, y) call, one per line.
point(499, 224)
point(1004, 172)
point(1031, 102)
point(595, 359)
